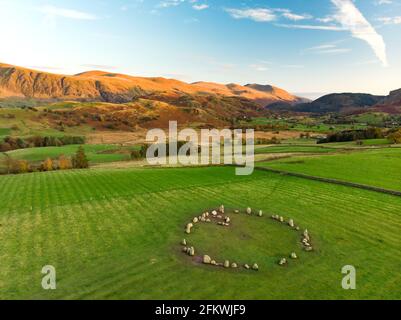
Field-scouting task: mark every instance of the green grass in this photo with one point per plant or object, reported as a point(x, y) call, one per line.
point(378, 167)
point(294, 149)
point(5, 131)
point(116, 233)
point(258, 240)
point(303, 124)
point(95, 153)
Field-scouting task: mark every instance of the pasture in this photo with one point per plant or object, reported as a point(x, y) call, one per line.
point(96, 153)
point(377, 167)
point(116, 233)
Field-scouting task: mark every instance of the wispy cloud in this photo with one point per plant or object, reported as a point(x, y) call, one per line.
point(390, 20)
point(267, 14)
point(381, 2)
point(329, 48)
point(257, 14)
point(288, 14)
point(170, 3)
point(311, 27)
point(353, 20)
point(52, 11)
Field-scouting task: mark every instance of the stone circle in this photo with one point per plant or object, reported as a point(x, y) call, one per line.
point(218, 216)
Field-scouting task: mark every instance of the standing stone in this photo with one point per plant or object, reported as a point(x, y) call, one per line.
point(191, 251)
point(294, 256)
point(214, 213)
point(206, 259)
point(291, 223)
point(249, 210)
point(283, 262)
point(234, 265)
point(185, 249)
point(226, 264)
point(213, 263)
point(255, 267)
point(281, 219)
point(222, 209)
point(246, 266)
point(184, 242)
point(188, 228)
point(308, 249)
point(228, 220)
point(236, 211)
point(260, 213)
point(306, 234)
point(195, 220)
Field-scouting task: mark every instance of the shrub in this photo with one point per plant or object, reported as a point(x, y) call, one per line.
point(136, 154)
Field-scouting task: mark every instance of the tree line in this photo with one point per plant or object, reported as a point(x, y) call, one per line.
point(353, 135)
point(14, 143)
point(77, 161)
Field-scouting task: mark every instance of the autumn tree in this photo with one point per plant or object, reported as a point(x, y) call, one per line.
point(47, 165)
point(80, 161)
point(64, 163)
point(395, 137)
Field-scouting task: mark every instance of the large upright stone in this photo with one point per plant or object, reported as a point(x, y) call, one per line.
point(206, 259)
point(188, 228)
point(248, 210)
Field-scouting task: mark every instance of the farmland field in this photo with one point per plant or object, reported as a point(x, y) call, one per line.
point(116, 234)
point(377, 167)
point(96, 153)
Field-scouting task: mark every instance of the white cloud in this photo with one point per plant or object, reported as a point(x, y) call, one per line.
point(200, 6)
point(380, 2)
point(258, 14)
point(329, 48)
point(288, 14)
point(170, 3)
point(52, 11)
point(353, 20)
point(266, 15)
point(390, 20)
point(311, 27)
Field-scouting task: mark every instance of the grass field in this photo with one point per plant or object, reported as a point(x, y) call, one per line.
point(116, 234)
point(377, 167)
point(95, 153)
point(294, 149)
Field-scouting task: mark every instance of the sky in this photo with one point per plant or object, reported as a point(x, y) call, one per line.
point(308, 47)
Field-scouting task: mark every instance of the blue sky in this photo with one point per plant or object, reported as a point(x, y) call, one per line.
point(304, 46)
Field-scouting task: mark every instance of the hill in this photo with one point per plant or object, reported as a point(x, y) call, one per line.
point(391, 103)
point(336, 102)
point(119, 88)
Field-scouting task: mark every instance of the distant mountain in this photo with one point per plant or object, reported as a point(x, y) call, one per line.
point(336, 102)
point(281, 94)
point(393, 99)
point(120, 88)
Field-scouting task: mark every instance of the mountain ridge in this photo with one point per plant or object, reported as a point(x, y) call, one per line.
point(115, 87)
